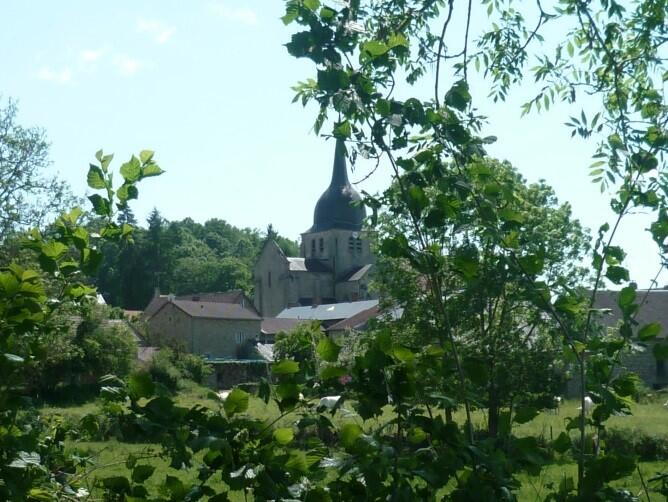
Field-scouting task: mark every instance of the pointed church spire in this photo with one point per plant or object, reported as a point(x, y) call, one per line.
point(335, 207)
point(340, 170)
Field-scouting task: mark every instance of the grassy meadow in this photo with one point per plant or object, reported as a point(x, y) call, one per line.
point(108, 457)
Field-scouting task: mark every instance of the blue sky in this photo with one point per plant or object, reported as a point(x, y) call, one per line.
point(206, 84)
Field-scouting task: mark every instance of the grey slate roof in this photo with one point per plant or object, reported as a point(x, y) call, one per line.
point(357, 273)
point(360, 320)
point(296, 264)
point(654, 308)
point(327, 312)
point(235, 296)
point(216, 310)
point(154, 305)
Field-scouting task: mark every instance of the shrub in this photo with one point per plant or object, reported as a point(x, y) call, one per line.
point(193, 367)
point(163, 370)
point(170, 366)
point(648, 447)
point(78, 351)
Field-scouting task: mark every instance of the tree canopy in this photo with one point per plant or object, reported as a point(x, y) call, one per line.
point(181, 257)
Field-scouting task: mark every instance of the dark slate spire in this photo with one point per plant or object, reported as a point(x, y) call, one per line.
point(334, 209)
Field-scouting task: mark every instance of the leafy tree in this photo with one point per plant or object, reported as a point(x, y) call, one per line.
point(505, 337)
point(362, 54)
point(28, 195)
point(33, 463)
point(181, 257)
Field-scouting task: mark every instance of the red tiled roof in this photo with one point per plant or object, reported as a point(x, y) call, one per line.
point(357, 320)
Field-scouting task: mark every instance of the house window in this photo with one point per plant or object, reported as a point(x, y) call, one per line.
point(239, 338)
point(358, 245)
point(321, 245)
point(268, 279)
point(351, 244)
point(312, 247)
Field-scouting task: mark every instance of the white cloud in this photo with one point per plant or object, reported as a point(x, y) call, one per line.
point(91, 55)
point(126, 65)
point(242, 15)
point(63, 76)
point(157, 30)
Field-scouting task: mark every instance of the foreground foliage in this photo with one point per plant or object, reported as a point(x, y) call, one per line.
point(425, 450)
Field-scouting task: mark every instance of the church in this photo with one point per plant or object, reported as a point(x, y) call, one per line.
point(335, 259)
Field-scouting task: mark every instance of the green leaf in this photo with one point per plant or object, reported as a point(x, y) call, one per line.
point(626, 297)
point(342, 130)
point(467, 266)
point(140, 385)
point(236, 402)
point(127, 192)
point(312, 4)
point(617, 274)
point(404, 354)
point(328, 350)
point(397, 39)
point(563, 443)
point(382, 107)
point(95, 177)
point(142, 472)
point(151, 170)
point(458, 96)
point(117, 484)
point(105, 161)
point(175, 487)
point(283, 435)
point(374, 48)
point(524, 414)
point(349, 434)
point(101, 205)
point(649, 331)
point(285, 367)
point(297, 462)
point(131, 170)
point(660, 351)
point(54, 250)
point(145, 156)
point(532, 264)
point(332, 372)
point(40, 494)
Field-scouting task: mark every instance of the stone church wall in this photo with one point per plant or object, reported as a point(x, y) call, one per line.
point(271, 278)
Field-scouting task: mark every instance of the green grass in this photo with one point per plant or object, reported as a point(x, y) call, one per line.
point(109, 457)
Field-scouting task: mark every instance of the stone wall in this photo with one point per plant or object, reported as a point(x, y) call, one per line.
point(222, 338)
point(171, 323)
point(231, 373)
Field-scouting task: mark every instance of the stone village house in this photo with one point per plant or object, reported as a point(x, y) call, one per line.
point(216, 326)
